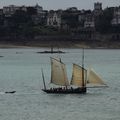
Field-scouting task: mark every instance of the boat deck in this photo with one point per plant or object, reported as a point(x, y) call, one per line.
point(66, 91)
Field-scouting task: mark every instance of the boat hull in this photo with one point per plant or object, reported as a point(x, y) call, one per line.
point(51, 52)
point(66, 91)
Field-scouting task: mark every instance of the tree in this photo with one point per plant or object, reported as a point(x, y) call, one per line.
point(20, 16)
point(103, 21)
point(71, 19)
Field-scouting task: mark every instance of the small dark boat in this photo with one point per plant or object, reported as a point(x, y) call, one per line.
point(51, 51)
point(1, 56)
point(10, 92)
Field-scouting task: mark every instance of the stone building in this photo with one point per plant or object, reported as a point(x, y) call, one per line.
point(116, 16)
point(97, 9)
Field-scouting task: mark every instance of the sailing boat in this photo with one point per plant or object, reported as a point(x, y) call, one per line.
point(79, 81)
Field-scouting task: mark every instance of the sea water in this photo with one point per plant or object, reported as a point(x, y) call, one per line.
point(20, 71)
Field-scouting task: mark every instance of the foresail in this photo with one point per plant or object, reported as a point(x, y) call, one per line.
point(93, 78)
point(77, 78)
point(58, 73)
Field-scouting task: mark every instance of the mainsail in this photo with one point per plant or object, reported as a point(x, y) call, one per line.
point(77, 78)
point(93, 78)
point(58, 73)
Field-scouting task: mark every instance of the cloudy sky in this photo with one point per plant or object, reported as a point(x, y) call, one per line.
point(61, 4)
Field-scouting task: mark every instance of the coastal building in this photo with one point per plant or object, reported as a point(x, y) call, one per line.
point(11, 9)
point(116, 16)
point(98, 6)
point(89, 21)
point(39, 9)
point(54, 18)
point(23, 8)
point(40, 16)
point(97, 9)
point(84, 18)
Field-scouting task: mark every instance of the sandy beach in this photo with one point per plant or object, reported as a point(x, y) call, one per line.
point(62, 44)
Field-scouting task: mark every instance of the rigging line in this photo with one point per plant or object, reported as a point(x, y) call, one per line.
point(43, 79)
point(83, 82)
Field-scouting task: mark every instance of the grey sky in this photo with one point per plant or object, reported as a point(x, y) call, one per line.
point(61, 4)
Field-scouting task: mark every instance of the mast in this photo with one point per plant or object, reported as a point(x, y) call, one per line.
point(64, 76)
point(77, 79)
point(83, 82)
point(51, 49)
point(43, 79)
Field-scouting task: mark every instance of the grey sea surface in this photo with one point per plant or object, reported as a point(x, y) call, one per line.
point(20, 70)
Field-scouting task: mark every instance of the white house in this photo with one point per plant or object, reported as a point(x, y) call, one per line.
point(54, 19)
